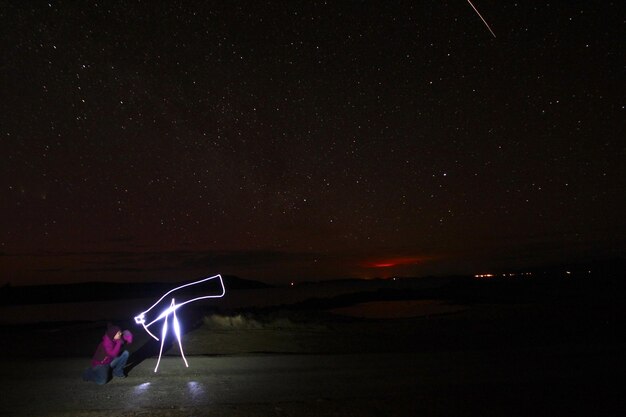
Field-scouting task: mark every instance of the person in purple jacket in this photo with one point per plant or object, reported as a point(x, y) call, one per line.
point(109, 357)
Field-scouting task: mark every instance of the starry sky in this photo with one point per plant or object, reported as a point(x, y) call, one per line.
point(308, 140)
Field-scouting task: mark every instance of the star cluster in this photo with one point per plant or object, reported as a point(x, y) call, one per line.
point(312, 140)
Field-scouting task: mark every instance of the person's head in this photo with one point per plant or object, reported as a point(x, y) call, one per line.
point(128, 336)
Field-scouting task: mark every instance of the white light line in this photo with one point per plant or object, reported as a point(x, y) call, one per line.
point(141, 318)
point(481, 18)
point(163, 333)
point(187, 285)
point(177, 306)
point(177, 332)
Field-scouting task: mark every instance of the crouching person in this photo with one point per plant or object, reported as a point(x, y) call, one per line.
point(109, 357)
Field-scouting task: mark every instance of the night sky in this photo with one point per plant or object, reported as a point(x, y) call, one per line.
point(308, 140)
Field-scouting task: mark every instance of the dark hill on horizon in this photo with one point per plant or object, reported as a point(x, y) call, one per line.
point(549, 282)
point(101, 291)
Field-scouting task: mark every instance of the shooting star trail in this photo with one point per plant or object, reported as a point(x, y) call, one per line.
point(481, 17)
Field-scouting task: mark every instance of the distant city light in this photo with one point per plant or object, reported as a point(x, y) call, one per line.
point(506, 274)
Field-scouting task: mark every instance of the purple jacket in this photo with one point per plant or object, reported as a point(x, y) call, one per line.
point(108, 349)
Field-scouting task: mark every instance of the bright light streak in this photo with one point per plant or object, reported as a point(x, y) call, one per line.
point(177, 332)
point(171, 310)
point(481, 18)
point(163, 333)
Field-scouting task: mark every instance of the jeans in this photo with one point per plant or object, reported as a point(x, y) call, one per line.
point(100, 374)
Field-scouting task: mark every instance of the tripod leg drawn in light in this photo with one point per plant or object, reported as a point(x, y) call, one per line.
point(171, 310)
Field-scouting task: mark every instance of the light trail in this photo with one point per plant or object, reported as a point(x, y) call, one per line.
point(481, 17)
point(171, 310)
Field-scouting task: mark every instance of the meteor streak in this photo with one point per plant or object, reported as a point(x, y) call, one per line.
point(481, 18)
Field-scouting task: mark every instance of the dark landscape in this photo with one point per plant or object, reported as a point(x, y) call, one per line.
point(550, 343)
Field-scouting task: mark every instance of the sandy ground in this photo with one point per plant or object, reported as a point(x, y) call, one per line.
point(511, 383)
point(481, 360)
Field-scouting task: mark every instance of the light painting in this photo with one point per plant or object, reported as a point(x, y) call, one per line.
point(171, 311)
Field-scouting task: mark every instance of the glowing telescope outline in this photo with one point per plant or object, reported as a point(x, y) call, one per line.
point(140, 319)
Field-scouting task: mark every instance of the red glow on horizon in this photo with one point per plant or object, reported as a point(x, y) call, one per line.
point(383, 265)
point(388, 263)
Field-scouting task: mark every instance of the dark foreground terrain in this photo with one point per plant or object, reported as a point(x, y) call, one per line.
point(504, 349)
point(526, 382)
